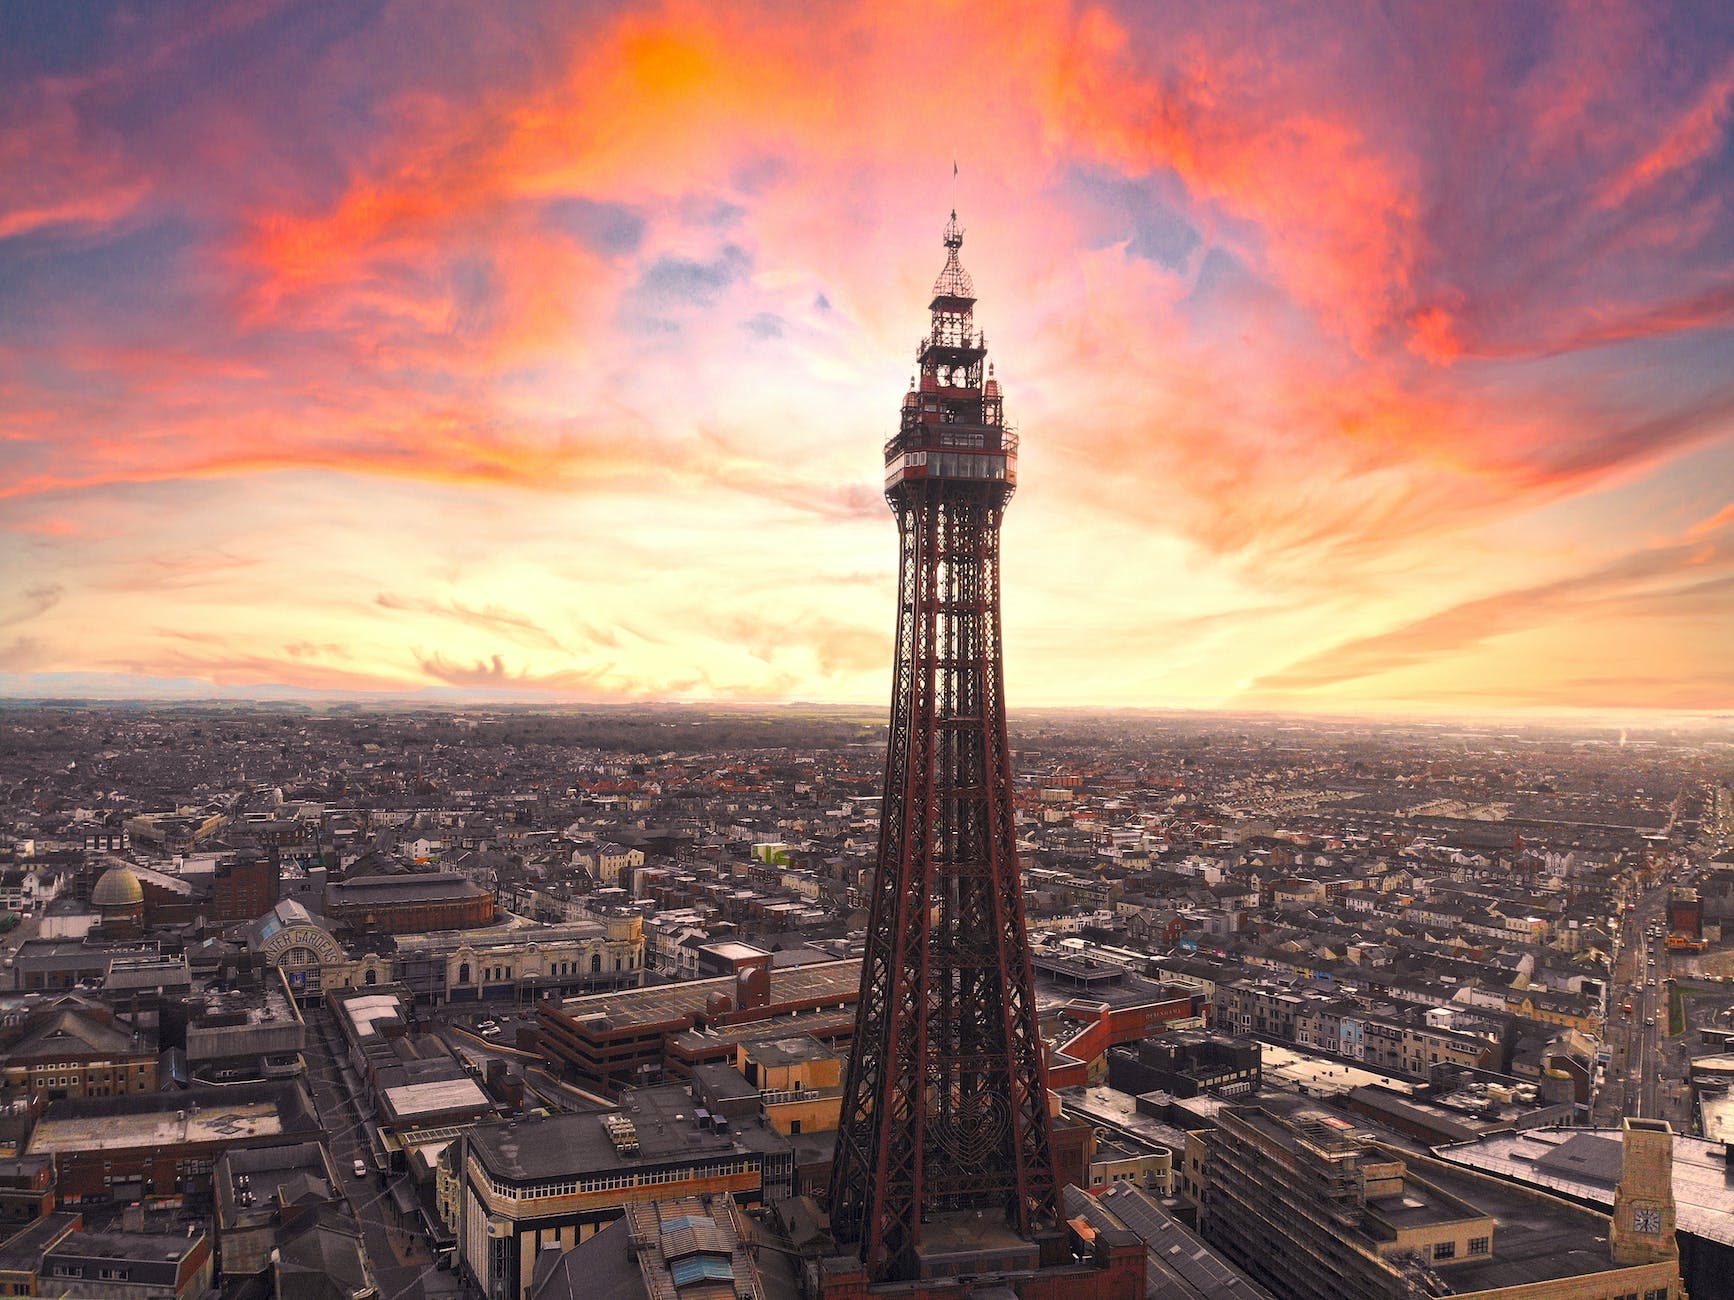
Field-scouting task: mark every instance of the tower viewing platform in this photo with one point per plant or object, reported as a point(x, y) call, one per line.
point(953, 418)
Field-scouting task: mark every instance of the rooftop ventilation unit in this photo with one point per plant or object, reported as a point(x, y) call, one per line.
point(622, 1132)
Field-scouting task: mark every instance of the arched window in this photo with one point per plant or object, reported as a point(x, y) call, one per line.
point(464, 973)
point(596, 964)
point(370, 977)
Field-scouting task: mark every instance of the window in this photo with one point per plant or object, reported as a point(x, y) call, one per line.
point(1479, 1245)
point(1444, 1250)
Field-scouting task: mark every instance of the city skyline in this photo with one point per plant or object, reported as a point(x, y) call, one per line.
point(1364, 364)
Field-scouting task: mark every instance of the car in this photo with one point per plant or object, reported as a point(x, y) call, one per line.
point(489, 1023)
point(1649, 1021)
point(491, 1031)
point(360, 1168)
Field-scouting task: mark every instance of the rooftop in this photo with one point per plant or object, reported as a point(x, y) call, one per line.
point(440, 1097)
point(162, 1128)
point(217, 1114)
point(505, 936)
point(373, 891)
point(1184, 1267)
point(558, 1146)
point(838, 981)
point(788, 1051)
point(1536, 1239)
point(364, 1013)
point(1584, 1163)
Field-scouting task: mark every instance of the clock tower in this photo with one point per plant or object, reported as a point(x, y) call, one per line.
point(1643, 1217)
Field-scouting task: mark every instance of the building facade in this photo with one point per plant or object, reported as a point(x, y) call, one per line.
point(509, 1190)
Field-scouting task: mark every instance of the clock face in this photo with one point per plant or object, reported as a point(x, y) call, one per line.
point(1646, 1218)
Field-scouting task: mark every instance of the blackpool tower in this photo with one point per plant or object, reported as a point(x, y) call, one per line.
point(945, 1126)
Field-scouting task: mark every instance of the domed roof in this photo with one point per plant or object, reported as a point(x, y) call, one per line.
point(117, 887)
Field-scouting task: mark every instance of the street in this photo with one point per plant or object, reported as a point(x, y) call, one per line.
point(402, 1258)
point(1645, 1078)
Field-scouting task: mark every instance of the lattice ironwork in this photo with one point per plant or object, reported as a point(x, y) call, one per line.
point(945, 1101)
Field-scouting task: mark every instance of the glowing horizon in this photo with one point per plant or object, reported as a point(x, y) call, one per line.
point(1365, 364)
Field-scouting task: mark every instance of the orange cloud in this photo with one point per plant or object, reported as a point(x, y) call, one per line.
point(1642, 587)
point(1280, 325)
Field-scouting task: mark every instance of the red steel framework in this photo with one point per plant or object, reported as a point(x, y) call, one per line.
point(945, 1105)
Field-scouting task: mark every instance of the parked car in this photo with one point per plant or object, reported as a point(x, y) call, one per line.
point(491, 1031)
point(360, 1167)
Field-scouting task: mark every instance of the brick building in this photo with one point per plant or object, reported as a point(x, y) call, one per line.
point(245, 888)
point(406, 904)
point(162, 1145)
point(76, 1050)
point(633, 1036)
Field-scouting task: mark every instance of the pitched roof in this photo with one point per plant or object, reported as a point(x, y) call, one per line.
point(72, 1030)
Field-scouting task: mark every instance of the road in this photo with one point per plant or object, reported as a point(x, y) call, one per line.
point(1645, 1077)
point(402, 1258)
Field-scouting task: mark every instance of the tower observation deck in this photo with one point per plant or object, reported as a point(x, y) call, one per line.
point(944, 1149)
point(953, 418)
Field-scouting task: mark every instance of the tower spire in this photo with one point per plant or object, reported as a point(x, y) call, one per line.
point(953, 280)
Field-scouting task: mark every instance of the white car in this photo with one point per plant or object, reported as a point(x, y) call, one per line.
point(490, 1031)
point(360, 1168)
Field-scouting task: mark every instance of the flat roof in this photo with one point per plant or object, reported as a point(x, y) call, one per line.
point(1321, 1076)
point(659, 1004)
point(1534, 1239)
point(788, 1051)
point(411, 1099)
point(1583, 1163)
point(819, 1024)
point(734, 950)
point(503, 937)
point(1127, 990)
point(561, 1146)
point(152, 1247)
point(1716, 1116)
point(162, 1128)
point(364, 1012)
point(1104, 1105)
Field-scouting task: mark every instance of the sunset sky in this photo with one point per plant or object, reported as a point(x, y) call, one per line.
point(1365, 357)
